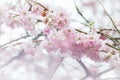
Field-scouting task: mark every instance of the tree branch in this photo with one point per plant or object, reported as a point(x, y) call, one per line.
point(88, 73)
point(101, 73)
point(14, 41)
point(80, 12)
point(109, 17)
point(52, 72)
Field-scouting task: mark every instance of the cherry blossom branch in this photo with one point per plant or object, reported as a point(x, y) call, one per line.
point(39, 4)
point(52, 72)
point(112, 46)
point(41, 34)
point(30, 7)
point(88, 73)
point(80, 31)
point(101, 73)
point(23, 37)
point(115, 40)
point(106, 35)
point(74, 67)
point(107, 30)
point(14, 40)
point(109, 17)
point(80, 12)
point(21, 54)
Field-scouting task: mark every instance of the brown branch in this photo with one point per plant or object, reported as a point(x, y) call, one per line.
point(55, 69)
point(80, 31)
point(101, 73)
point(88, 73)
point(107, 36)
point(40, 5)
point(80, 12)
point(109, 17)
point(14, 41)
point(112, 47)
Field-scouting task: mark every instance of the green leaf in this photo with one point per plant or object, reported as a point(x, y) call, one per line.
point(91, 24)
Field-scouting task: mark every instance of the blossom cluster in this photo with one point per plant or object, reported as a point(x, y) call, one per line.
point(59, 35)
point(100, 44)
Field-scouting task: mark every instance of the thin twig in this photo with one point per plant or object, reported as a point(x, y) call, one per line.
point(112, 46)
point(14, 41)
point(21, 54)
point(80, 31)
point(107, 36)
point(107, 30)
point(101, 73)
point(109, 17)
point(40, 5)
point(80, 12)
point(117, 38)
point(88, 73)
point(53, 72)
point(41, 34)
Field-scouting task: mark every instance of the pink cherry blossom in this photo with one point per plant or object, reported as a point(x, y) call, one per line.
point(39, 10)
point(67, 42)
point(29, 48)
point(46, 31)
point(60, 39)
point(102, 37)
point(22, 17)
point(57, 18)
